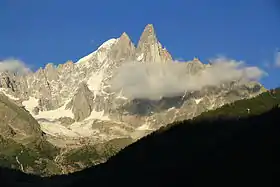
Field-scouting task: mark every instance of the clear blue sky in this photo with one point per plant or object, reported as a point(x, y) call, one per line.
point(42, 31)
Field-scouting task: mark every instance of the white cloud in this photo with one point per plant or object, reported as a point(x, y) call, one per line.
point(277, 59)
point(13, 65)
point(156, 80)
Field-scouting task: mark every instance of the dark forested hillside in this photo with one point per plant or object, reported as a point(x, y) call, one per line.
point(254, 106)
point(243, 149)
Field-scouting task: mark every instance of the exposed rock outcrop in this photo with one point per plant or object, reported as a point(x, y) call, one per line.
point(17, 123)
point(82, 102)
point(85, 88)
point(149, 49)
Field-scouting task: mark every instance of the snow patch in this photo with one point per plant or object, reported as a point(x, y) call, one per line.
point(94, 82)
point(86, 58)
point(30, 104)
point(97, 115)
point(211, 107)
point(55, 114)
point(140, 57)
point(57, 130)
point(8, 95)
point(144, 127)
point(100, 56)
point(172, 108)
point(120, 130)
point(197, 101)
point(75, 130)
point(108, 43)
point(83, 129)
point(120, 96)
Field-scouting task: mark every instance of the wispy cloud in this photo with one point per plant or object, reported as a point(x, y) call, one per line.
point(13, 65)
point(156, 80)
point(277, 59)
point(92, 41)
point(266, 64)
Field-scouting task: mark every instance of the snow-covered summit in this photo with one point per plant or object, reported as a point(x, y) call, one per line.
point(79, 93)
point(105, 46)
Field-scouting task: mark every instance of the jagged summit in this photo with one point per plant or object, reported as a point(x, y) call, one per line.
point(82, 94)
point(148, 35)
point(149, 49)
point(124, 36)
point(86, 86)
point(149, 29)
point(123, 50)
point(107, 44)
point(100, 50)
point(196, 58)
point(124, 39)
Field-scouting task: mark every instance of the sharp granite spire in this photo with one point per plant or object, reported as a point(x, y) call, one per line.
point(149, 49)
point(123, 50)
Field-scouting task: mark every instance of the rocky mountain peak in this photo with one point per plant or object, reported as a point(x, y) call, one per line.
point(148, 34)
point(148, 37)
point(69, 63)
point(87, 85)
point(49, 66)
point(7, 80)
point(51, 72)
point(197, 61)
point(149, 49)
point(194, 66)
point(81, 103)
point(67, 66)
point(125, 37)
point(40, 71)
point(123, 50)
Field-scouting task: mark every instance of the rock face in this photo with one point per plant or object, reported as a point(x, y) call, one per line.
point(149, 48)
point(82, 102)
point(76, 106)
point(123, 49)
point(16, 123)
point(81, 91)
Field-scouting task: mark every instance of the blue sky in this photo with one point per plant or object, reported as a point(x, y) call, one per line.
point(38, 32)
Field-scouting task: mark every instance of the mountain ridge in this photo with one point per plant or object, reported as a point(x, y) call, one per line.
point(220, 151)
point(75, 101)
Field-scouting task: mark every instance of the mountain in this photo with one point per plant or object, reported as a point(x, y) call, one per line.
point(22, 143)
point(211, 149)
point(17, 123)
point(80, 103)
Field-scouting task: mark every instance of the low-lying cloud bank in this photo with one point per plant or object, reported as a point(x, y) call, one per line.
point(156, 80)
point(13, 65)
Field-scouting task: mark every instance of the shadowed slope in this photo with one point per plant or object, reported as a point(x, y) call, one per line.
point(204, 151)
point(192, 153)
